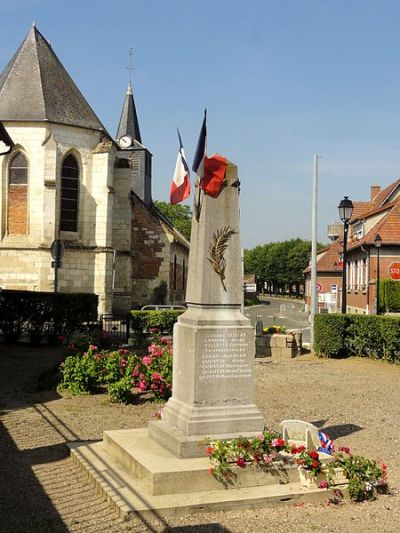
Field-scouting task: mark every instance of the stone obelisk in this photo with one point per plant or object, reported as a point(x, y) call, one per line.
point(213, 361)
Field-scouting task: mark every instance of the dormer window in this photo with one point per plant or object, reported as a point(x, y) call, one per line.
point(358, 230)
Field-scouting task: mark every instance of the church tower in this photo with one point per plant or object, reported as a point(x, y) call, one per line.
point(132, 152)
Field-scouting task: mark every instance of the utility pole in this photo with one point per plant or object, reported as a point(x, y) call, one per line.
point(313, 286)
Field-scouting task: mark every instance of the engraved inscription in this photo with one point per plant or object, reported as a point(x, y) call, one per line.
point(224, 355)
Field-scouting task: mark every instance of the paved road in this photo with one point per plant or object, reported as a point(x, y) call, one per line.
point(289, 313)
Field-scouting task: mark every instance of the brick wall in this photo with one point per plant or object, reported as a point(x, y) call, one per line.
point(17, 209)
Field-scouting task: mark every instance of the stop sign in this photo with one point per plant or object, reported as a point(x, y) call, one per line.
point(394, 270)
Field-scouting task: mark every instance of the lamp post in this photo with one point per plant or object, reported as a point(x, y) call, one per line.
point(345, 211)
point(378, 244)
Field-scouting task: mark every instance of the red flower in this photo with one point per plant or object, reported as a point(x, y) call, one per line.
point(314, 455)
point(241, 462)
point(323, 484)
point(344, 449)
point(209, 450)
point(315, 464)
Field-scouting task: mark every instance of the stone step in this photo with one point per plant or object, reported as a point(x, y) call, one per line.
point(129, 495)
point(161, 472)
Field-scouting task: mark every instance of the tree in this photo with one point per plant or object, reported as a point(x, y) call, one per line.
point(279, 264)
point(180, 216)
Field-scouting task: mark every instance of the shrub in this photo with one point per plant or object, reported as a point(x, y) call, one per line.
point(119, 372)
point(389, 295)
point(42, 313)
point(330, 335)
point(377, 337)
point(142, 321)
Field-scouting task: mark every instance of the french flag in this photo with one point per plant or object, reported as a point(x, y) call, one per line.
point(201, 150)
point(180, 187)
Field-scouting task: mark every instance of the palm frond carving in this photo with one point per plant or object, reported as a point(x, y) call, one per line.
point(217, 249)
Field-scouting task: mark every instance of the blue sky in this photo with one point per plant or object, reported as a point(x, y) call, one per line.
point(281, 79)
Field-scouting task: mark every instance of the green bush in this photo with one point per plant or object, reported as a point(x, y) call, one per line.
point(377, 337)
point(364, 336)
point(141, 322)
point(120, 373)
point(330, 335)
point(389, 295)
point(41, 313)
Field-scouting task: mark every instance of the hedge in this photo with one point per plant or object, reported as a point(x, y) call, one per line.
point(44, 313)
point(389, 295)
point(377, 337)
point(142, 321)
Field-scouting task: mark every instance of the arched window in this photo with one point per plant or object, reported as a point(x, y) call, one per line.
point(69, 194)
point(17, 222)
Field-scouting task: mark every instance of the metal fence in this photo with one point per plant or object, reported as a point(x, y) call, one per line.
point(116, 326)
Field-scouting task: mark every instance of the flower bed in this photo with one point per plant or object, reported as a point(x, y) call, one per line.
point(364, 477)
point(122, 374)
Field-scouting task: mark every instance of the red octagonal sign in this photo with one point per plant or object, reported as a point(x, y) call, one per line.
point(394, 270)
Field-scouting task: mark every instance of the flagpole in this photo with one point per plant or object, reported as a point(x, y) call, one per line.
point(313, 285)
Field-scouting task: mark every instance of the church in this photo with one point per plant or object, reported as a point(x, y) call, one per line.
point(67, 179)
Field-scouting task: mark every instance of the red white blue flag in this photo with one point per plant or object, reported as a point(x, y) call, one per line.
point(6, 143)
point(326, 443)
point(201, 150)
point(180, 187)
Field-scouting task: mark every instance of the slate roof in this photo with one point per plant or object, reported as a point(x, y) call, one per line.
point(35, 86)
point(128, 123)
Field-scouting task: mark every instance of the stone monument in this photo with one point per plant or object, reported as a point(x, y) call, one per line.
point(163, 469)
point(213, 368)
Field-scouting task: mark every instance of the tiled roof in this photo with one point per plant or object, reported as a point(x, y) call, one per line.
point(383, 195)
point(388, 228)
point(34, 86)
point(328, 259)
point(359, 209)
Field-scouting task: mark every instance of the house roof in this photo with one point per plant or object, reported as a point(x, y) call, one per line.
point(328, 259)
point(128, 123)
point(388, 228)
point(35, 87)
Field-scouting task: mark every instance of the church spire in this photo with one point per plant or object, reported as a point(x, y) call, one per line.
point(128, 123)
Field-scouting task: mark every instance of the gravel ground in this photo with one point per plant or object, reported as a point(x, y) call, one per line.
point(357, 401)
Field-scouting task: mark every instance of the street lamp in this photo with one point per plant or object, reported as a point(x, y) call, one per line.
point(378, 244)
point(345, 211)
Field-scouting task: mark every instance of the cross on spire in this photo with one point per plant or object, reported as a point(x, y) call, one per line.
point(130, 68)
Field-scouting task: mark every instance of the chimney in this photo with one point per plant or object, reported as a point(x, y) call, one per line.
point(375, 190)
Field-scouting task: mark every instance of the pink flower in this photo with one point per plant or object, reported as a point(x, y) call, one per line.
point(155, 350)
point(156, 376)
point(147, 360)
point(142, 385)
point(153, 330)
point(123, 362)
point(268, 459)
point(135, 373)
point(93, 348)
point(141, 376)
point(323, 484)
point(154, 386)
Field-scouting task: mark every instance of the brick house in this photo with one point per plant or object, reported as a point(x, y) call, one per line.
point(380, 215)
point(68, 179)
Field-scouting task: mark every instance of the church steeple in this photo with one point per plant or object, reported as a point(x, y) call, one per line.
point(128, 123)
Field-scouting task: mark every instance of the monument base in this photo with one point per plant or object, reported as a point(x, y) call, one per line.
point(139, 476)
point(184, 446)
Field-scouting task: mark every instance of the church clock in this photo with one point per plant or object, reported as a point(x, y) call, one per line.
point(125, 141)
